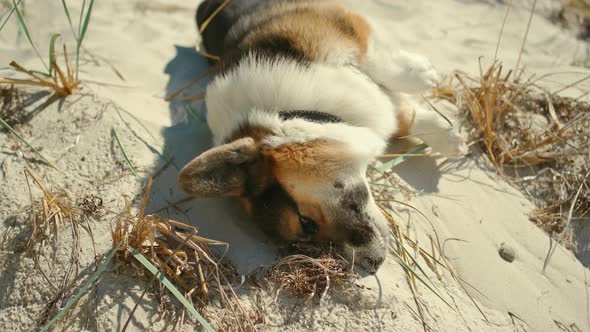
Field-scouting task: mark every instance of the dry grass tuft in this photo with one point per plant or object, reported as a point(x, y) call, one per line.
point(540, 141)
point(562, 184)
point(201, 273)
point(49, 215)
point(409, 252)
point(494, 111)
point(62, 82)
point(311, 276)
point(575, 14)
point(53, 213)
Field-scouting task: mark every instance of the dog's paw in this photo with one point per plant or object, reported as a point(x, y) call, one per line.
point(448, 143)
point(418, 74)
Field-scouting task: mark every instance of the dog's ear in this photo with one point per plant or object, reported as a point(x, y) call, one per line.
point(220, 171)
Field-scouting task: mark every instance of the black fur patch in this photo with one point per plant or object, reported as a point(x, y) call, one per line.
point(313, 116)
point(269, 47)
point(214, 36)
point(356, 198)
point(275, 45)
point(269, 208)
point(237, 38)
point(231, 48)
point(360, 234)
point(309, 226)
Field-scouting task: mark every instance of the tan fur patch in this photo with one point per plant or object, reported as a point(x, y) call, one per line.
point(315, 29)
point(405, 118)
point(310, 161)
point(329, 229)
point(313, 165)
point(310, 208)
point(257, 133)
point(246, 205)
point(290, 226)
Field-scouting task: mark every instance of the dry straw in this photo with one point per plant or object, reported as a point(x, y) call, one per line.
point(193, 263)
point(414, 257)
point(311, 273)
point(538, 139)
point(53, 213)
point(62, 80)
point(50, 214)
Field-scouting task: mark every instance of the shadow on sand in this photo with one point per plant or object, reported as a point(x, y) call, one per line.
point(219, 219)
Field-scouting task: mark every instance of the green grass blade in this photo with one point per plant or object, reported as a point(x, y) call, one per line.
point(392, 163)
point(114, 132)
point(413, 272)
point(82, 27)
point(81, 15)
point(40, 73)
point(193, 113)
point(84, 288)
point(15, 133)
point(52, 50)
point(21, 21)
point(162, 152)
point(154, 139)
point(388, 186)
point(9, 15)
point(148, 265)
point(86, 21)
point(67, 11)
point(418, 266)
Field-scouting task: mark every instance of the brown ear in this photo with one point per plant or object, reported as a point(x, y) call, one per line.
point(220, 171)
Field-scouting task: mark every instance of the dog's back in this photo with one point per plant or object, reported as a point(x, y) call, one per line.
point(303, 31)
point(220, 15)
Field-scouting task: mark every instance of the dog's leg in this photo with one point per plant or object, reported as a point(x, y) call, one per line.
point(419, 121)
point(397, 70)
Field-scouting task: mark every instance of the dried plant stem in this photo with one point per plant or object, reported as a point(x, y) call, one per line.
point(528, 28)
point(201, 274)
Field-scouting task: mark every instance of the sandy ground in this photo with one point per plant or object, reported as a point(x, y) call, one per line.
point(137, 52)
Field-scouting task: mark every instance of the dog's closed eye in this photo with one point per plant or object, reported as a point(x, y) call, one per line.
point(308, 225)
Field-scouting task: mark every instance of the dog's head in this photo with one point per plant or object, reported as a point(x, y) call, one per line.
point(311, 191)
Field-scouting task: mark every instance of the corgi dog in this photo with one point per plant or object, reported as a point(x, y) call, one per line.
point(304, 97)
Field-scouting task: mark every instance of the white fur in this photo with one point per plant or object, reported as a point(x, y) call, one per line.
point(437, 133)
point(257, 90)
point(397, 70)
point(401, 73)
point(365, 95)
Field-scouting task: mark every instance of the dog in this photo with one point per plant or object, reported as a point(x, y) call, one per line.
point(304, 97)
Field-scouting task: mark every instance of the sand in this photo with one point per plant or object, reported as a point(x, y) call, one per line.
point(137, 52)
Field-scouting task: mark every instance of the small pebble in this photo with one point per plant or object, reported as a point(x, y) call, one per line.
point(507, 252)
